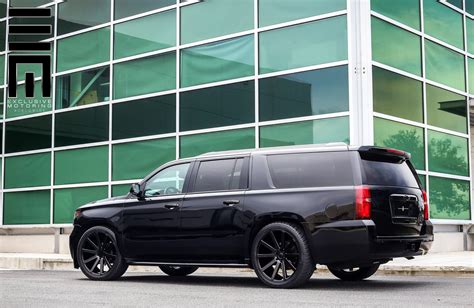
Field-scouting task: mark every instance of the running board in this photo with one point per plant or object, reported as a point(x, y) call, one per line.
point(235, 265)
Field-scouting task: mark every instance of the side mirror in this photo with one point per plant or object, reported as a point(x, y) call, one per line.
point(135, 190)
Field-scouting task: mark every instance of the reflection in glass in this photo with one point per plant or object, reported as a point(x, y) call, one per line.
point(125, 8)
point(447, 153)
point(404, 11)
point(449, 199)
point(444, 65)
point(83, 88)
point(403, 137)
point(443, 23)
point(217, 106)
point(74, 15)
point(446, 109)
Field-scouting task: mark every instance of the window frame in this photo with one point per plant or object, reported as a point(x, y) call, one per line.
point(244, 174)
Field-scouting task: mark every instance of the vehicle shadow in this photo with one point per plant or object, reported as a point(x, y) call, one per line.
point(373, 284)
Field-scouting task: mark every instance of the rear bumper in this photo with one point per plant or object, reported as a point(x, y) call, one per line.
point(354, 242)
point(73, 240)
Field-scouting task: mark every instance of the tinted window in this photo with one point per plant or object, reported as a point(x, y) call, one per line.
point(169, 181)
point(218, 175)
point(28, 134)
point(388, 172)
point(310, 169)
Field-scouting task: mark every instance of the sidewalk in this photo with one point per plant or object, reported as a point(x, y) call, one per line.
point(451, 263)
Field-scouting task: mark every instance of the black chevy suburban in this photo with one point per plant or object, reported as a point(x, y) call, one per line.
point(280, 211)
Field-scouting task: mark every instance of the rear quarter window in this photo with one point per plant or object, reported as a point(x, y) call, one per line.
point(388, 172)
point(310, 169)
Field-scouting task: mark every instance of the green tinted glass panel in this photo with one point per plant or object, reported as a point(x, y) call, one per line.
point(470, 63)
point(470, 6)
point(218, 106)
point(307, 132)
point(82, 126)
point(29, 134)
point(277, 11)
point(22, 105)
point(313, 43)
point(446, 109)
point(397, 95)
point(84, 49)
point(396, 47)
point(449, 199)
point(141, 35)
point(145, 117)
point(1, 106)
point(81, 166)
point(470, 34)
point(124, 8)
point(213, 18)
point(444, 65)
point(66, 201)
point(2, 35)
point(219, 141)
point(2, 72)
point(443, 23)
point(120, 190)
point(403, 137)
point(135, 160)
point(75, 15)
point(304, 94)
point(83, 88)
point(28, 170)
point(447, 153)
point(422, 180)
point(404, 11)
point(157, 74)
point(30, 207)
point(457, 3)
point(217, 61)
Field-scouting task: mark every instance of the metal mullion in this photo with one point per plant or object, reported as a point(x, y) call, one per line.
point(82, 31)
point(111, 87)
point(216, 129)
point(143, 96)
point(28, 116)
point(256, 64)
point(53, 117)
point(144, 55)
point(143, 138)
point(449, 176)
point(82, 69)
point(307, 118)
point(178, 81)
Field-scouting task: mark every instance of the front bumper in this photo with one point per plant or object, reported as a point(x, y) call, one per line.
point(355, 243)
point(73, 240)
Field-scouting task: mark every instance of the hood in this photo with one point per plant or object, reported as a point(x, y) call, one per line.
point(107, 201)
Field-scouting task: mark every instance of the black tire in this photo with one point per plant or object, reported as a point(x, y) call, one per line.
point(98, 255)
point(281, 257)
point(353, 274)
point(172, 270)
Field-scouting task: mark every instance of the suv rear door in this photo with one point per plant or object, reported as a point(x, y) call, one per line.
point(396, 194)
point(211, 222)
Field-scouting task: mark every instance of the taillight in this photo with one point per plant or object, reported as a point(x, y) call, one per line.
point(426, 210)
point(363, 202)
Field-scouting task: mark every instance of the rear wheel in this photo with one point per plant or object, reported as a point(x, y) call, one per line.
point(354, 274)
point(281, 257)
point(98, 255)
point(178, 270)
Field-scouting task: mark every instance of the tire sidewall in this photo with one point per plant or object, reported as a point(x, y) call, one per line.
point(117, 267)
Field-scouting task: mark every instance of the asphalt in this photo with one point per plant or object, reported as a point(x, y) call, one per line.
point(237, 289)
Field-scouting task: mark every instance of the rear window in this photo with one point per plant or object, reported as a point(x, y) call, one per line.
point(310, 169)
point(386, 171)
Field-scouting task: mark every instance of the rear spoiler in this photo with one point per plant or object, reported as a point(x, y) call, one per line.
point(385, 151)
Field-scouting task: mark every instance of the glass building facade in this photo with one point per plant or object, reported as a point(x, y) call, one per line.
point(137, 83)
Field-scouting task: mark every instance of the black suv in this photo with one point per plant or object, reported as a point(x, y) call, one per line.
point(279, 211)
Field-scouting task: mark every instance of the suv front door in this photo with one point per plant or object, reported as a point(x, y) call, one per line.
point(151, 224)
point(212, 214)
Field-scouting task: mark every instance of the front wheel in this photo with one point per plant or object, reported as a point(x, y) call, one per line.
point(280, 256)
point(171, 270)
point(354, 274)
point(98, 255)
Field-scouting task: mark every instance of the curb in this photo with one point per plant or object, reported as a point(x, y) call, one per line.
point(64, 263)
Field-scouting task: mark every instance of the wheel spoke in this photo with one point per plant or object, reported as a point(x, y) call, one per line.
point(290, 264)
point(110, 254)
point(268, 265)
point(282, 240)
point(95, 265)
point(92, 243)
point(275, 271)
point(272, 235)
point(90, 259)
point(89, 250)
point(101, 266)
point(107, 262)
point(283, 269)
point(268, 246)
point(265, 255)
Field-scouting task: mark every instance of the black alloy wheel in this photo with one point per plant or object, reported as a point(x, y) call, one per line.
point(354, 274)
point(280, 256)
point(178, 270)
point(98, 255)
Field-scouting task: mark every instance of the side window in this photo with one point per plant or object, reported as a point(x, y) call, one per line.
point(169, 181)
point(218, 175)
point(311, 169)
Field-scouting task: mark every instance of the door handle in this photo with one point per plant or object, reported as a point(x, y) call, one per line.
point(172, 206)
point(231, 202)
